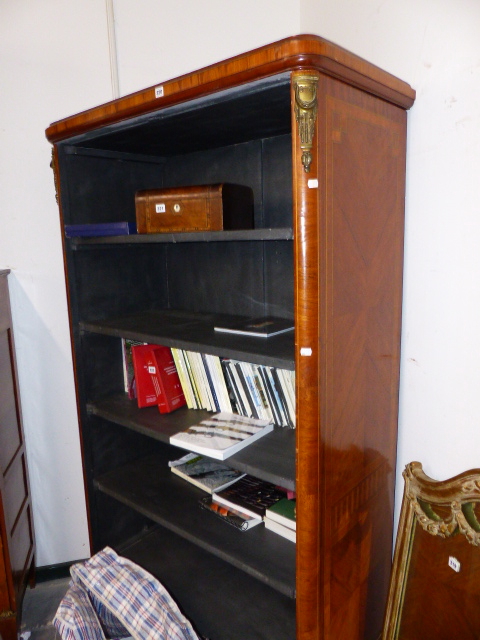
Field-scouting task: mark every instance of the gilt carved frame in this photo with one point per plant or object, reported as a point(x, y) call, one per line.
point(444, 509)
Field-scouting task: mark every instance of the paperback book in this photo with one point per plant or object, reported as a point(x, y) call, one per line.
point(258, 327)
point(221, 435)
point(231, 516)
point(250, 495)
point(205, 473)
point(283, 512)
point(280, 529)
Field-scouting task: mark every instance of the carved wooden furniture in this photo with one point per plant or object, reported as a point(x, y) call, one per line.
point(319, 135)
point(435, 591)
point(17, 545)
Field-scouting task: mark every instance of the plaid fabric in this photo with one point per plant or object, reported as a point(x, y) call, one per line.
point(111, 597)
point(76, 618)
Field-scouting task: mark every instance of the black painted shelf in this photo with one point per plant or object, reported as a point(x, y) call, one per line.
point(195, 332)
point(281, 233)
point(213, 594)
point(151, 489)
point(271, 458)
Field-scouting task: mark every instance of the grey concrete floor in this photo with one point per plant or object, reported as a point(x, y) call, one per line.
point(39, 607)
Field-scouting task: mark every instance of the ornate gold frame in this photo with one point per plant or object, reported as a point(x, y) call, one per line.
point(455, 499)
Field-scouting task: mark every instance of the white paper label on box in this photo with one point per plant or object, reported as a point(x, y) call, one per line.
point(159, 208)
point(312, 183)
point(159, 91)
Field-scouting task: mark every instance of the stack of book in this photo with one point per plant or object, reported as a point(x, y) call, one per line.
point(223, 384)
point(281, 518)
point(248, 498)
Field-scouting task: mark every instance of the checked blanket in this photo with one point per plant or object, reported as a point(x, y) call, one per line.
point(110, 597)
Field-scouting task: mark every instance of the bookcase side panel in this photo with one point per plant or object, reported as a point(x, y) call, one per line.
point(363, 220)
point(349, 255)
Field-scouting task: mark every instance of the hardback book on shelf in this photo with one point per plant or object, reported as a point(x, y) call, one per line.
point(280, 529)
point(283, 512)
point(251, 495)
point(234, 517)
point(157, 381)
point(221, 435)
point(100, 229)
point(205, 473)
point(265, 327)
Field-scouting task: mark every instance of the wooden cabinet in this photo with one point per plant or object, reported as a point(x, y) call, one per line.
point(319, 135)
point(17, 544)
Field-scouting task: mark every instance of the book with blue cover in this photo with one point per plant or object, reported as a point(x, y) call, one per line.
point(100, 229)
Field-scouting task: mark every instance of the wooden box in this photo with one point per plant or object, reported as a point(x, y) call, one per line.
point(195, 208)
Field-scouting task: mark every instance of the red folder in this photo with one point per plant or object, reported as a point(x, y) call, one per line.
point(156, 378)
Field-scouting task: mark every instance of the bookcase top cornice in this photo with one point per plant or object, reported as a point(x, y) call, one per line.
point(293, 53)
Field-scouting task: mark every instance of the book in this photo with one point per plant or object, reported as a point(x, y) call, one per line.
point(156, 376)
point(233, 517)
point(128, 371)
point(284, 512)
point(252, 495)
point(100, 229)
point(171, 395)
point(221, 435)
point(281, 530)
point(226, 385)
point(258, 327)
point(184, 378)
point(205, 473)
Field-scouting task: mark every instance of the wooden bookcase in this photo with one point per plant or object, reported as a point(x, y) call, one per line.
point(319, 135)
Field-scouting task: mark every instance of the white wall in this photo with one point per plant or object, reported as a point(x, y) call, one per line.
point(54, 62)
point(158, 41)
point(435, 46)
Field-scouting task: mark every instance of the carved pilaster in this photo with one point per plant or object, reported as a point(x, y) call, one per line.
point(306, 114)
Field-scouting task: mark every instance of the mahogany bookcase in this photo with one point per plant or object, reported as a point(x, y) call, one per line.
point(319, 135)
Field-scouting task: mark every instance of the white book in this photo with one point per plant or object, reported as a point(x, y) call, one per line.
point(280, 529)
point(221, 435)
point(184, 379)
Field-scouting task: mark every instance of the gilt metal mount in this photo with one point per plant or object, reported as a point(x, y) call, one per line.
point(305, 87)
